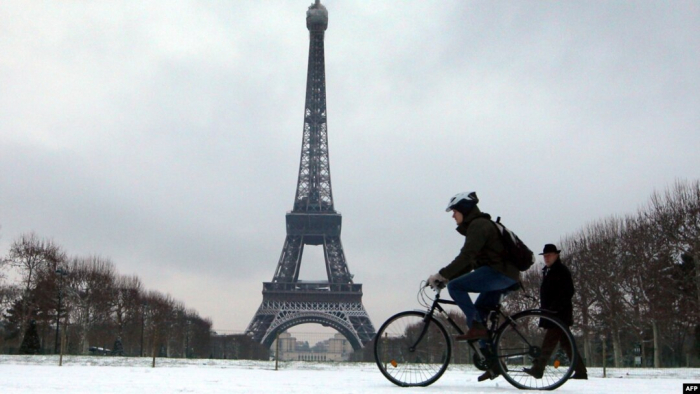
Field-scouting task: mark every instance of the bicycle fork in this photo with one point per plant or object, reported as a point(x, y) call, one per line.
point(428, 317)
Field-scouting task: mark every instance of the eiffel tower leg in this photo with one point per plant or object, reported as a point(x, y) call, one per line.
point(287, 272)
point(336, 266)
point(290, 259)
point(259, 325)
point(361, 324)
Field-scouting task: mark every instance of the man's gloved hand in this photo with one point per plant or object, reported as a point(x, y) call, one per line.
point(437, 281)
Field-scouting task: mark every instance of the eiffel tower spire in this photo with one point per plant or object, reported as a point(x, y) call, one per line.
point(288, 301)
point(314, 193)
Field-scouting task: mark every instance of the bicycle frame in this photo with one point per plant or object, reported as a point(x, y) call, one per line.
point(493, 320)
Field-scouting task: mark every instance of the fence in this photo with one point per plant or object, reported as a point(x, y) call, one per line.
point(288, 346)
point(331, 347)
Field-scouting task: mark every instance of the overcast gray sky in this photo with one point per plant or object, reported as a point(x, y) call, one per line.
point(166, 135)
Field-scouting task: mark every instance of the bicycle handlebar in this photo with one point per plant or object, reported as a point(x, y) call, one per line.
point(440, 285)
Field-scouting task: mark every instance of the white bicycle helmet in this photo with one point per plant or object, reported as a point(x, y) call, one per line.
point(464, 200)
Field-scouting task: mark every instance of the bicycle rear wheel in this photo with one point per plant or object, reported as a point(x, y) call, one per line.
point(548, 352)
point(411, 350)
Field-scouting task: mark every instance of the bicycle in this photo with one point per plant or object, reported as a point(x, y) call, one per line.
point(413, 348)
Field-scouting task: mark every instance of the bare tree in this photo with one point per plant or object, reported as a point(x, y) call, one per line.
point(199, 335)
point(126, 311)
point(676, 216)
point(91, 281)
point(646, 259)
point(601, 251)
point(32, 256)
point(97, 304)
point(9, 294)
point(638, 276)
point(677, 213)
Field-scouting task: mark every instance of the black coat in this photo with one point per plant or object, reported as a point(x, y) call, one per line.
point(556, 292)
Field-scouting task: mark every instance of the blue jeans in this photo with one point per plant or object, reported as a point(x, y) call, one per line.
point(484, 280)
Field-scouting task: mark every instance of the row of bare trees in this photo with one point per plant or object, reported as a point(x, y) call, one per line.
point(637, 283)
point(237, 346)
point(94, 306)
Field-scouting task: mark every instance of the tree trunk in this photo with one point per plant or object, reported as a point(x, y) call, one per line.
point(657, 345)
point(84, 346)
point(587, 345)
point(617, 351)
point(168, 348)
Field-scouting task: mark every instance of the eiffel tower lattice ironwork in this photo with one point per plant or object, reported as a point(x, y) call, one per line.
point(288, 301)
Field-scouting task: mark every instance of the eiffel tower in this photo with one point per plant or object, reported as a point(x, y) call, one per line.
point(288, 301)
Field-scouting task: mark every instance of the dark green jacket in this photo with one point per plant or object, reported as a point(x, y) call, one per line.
point(482, 246)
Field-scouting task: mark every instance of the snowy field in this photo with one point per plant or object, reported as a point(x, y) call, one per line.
point(79, 374)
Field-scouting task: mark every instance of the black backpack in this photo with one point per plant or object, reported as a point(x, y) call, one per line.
point(516, 251)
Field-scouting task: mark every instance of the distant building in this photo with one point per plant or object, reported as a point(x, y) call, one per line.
point(337, 348)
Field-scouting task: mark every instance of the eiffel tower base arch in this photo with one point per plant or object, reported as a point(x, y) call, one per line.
point(345, 314)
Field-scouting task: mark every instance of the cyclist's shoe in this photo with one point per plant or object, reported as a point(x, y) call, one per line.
point(488, 375)
point(580, 376)
point(478, 331)
point(534, 371)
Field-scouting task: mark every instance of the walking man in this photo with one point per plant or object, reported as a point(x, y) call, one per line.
point(556, 292)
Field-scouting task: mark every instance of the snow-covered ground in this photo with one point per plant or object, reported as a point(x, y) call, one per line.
point(78, 375)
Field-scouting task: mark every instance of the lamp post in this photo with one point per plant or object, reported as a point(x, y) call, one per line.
point(602, 338)
point(61, 273)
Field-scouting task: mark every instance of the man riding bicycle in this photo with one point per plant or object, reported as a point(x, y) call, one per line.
point(480, 267)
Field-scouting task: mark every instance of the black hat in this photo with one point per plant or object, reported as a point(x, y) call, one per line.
point(550, 248)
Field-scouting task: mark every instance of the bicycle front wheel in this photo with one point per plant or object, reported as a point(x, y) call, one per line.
point(535, 351)
point(412, 350)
